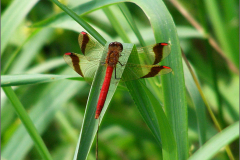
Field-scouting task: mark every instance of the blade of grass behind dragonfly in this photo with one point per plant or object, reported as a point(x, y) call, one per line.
point(116, 24)
point(173, 83)
point(198, 104)
point(149, 113)
point(83, 23)
point(153, 114)
point(90, 124)
point(130, 20)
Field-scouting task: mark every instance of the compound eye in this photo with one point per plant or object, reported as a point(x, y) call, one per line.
point(121, 46)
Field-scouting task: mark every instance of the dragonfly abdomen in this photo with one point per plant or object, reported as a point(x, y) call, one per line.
point(104, 91)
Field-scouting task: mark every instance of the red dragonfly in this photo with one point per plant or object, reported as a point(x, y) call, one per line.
point(145, 66)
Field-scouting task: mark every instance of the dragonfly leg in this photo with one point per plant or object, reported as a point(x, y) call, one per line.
point(120, 63)
point(116, 73)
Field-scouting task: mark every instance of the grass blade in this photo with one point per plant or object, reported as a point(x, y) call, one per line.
point(198, 104)
point(43, 112)
point(16, 80)
point(26, 120)
point(220, 140)
point(83, 23)
point(173, 84)
point(132, 23)
point(116, 25)
point(12, 17)
point(29, 50)
point(218, 24)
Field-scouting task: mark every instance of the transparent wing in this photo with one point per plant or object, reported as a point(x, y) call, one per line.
point(151, 55)
point(90, 47)
point(154, 53)
point(143, 62)
point(133, 71)
point(82, 65)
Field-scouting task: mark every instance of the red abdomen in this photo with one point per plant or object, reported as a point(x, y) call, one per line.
point(104, 91)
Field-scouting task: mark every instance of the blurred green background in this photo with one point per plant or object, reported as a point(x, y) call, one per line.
point(27, 49)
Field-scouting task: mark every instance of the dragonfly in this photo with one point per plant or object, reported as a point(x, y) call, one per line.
point(145, 65)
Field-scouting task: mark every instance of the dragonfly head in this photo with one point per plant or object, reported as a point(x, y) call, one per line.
point(115, 46)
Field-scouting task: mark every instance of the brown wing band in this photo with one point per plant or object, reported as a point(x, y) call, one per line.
point(75, 62)
point(84, 42)
point(154, 71)
point(158, 50)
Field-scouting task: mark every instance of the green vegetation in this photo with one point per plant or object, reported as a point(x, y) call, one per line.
point(47, 110)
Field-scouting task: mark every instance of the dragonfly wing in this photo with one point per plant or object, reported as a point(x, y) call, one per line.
point(82, 65)
point(90, 47)
point(143, 62)
point(153, 54)
point(133, 71)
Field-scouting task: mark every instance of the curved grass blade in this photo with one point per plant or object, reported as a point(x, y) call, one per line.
point(198, 104)
point(83, 23)
point(173, 84)
point(155, 117)
point(26, 120)
point(17, 80)
point(131, 22)
point(43, 112)
point(210, 148)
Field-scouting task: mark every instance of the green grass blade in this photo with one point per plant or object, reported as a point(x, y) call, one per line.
point(30, 49)
point(214, 14)
point(50, 100)
point(116, 25)
point(131, 22)
point(83, 23)
point(153, 114)
point(155, 117)
point(173, 84)
point(210, 148)
point(47, 65)
point(26, 120)
point(59, 19)
point(12, 17)
point(24, 79)
point(149, 106)
point(198, 104)
point(17, 51)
